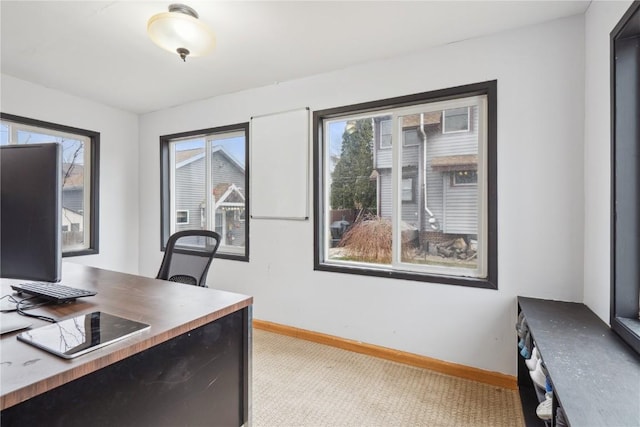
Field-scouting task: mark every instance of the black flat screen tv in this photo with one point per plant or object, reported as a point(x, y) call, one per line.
point(30, 212)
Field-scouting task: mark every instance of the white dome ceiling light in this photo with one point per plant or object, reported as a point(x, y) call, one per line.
point(179, 30)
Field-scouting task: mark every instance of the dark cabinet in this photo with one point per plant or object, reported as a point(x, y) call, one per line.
point(595, 376)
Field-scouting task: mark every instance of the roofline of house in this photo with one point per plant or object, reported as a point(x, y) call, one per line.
point(215, 150)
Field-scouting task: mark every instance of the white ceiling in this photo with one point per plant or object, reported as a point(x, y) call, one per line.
point(99, 50)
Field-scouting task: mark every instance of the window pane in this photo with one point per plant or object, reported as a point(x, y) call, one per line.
point(228, 187)
point(208, 187)
point(441, 228)
point(352, 192)
point(4, 134)
point(79, 175)
point(75, 215)
point(74, 200)
point(189, 185)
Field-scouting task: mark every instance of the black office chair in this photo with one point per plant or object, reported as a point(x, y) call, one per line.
point(188, 256)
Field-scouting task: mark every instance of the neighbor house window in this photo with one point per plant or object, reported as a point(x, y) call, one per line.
point(467, 177)
point(182, 217)
point(455, 120)
point(407, 189)
point(385, 134)
point(80, 150)
point(410, 137)
point(373, 219)
point(205, 171)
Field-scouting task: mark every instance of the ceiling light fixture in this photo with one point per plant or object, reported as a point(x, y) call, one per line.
point(180, 30)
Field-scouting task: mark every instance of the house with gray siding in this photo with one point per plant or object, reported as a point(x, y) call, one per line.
point(228, 193)
point(439, 173)
point(73, 187)
point(72, 204)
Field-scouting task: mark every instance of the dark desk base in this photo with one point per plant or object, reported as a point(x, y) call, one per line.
point(198, 378)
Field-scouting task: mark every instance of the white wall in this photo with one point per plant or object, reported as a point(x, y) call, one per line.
point(600, 19)
point(118, 163)
point(540, 73)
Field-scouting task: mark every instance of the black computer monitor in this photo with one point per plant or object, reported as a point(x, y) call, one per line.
point(30, 211)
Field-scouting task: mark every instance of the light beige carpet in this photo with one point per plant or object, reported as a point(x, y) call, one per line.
point(301, 383)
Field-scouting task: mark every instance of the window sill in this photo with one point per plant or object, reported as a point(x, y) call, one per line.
point(80, 253)
point(629, 331)
point(406, 275)
point(232, 257)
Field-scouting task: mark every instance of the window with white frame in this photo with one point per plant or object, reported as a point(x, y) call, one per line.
point(455, 120)
point(410, 137)
point(182, 217)
point(417, 227)
point(385, 134)
point(407, 189)
point(80, 149)
point(205, 172)
point(465, 177)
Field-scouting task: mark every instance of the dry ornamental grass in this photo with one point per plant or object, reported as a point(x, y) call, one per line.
point(369, 240)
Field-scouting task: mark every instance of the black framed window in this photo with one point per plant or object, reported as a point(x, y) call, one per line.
point(80, 169)
point(205, 185)
point(625, 177)
point(372, 218)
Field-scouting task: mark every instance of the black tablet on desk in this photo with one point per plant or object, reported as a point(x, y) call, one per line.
point(78, 335)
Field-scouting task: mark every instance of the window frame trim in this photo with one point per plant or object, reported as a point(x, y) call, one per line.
point(486, 88)
point(628, 328)
point(478, 272)
point(94, 180)
point(166, 180)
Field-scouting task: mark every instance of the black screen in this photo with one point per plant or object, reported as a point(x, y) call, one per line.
point(78, 335)
point(30, 211)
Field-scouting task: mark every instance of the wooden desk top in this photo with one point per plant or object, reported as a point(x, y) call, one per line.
point(170, 308)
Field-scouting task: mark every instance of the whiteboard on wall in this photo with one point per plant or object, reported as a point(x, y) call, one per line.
point(280, 165)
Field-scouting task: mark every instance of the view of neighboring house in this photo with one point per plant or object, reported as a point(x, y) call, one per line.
point(72, 187)
point(71, 220)
point(228, 195)
point(439, 174)
point(72, 204)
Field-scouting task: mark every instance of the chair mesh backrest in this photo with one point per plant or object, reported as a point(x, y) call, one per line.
point(188, 256)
